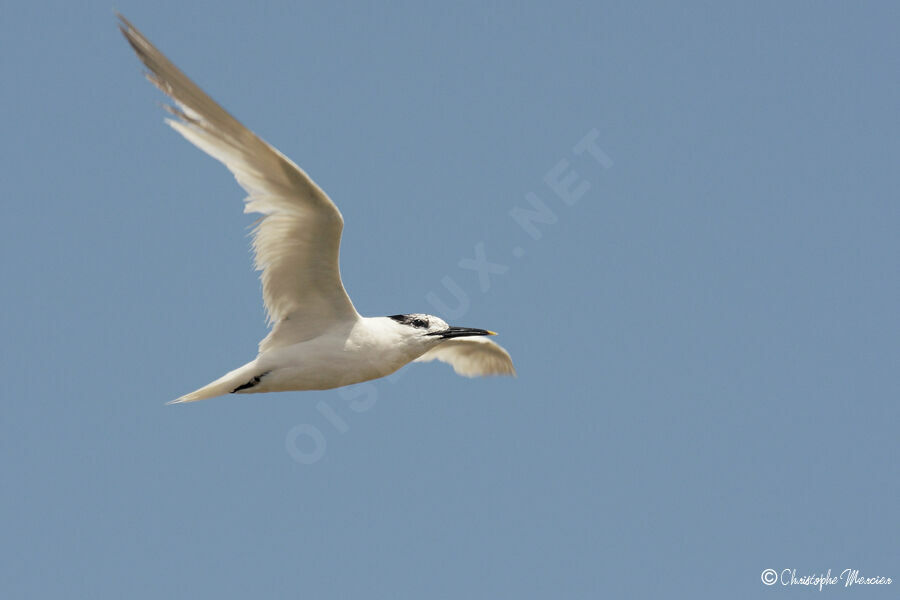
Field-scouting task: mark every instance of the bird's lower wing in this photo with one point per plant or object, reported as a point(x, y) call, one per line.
point(297, 242)
point(472, 357)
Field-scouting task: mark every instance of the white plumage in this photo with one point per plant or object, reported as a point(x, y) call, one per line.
point(318, 340)
point(472, 357)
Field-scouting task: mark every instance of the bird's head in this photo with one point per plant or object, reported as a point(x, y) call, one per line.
point(433, 329)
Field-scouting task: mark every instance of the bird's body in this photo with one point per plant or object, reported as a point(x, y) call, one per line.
point(318, 339)
point(347, 353)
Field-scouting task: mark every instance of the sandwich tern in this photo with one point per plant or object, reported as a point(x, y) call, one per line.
point(317, 339)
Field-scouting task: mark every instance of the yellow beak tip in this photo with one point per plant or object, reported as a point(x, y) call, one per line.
point(491, 332)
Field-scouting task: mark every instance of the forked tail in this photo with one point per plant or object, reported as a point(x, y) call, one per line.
point(239, 379)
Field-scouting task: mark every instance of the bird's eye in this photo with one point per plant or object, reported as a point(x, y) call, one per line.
point(420, 323)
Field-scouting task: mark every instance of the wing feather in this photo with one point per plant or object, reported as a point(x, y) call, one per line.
point(297, 241)
point(472, 357)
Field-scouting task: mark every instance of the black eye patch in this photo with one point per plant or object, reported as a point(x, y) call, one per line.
point(411, 320)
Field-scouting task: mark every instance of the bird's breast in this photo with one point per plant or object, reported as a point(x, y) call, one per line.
point(325, 363)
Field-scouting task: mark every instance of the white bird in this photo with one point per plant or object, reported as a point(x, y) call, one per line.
point(318, 341)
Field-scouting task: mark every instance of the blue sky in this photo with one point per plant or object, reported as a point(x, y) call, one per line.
point(706, 340)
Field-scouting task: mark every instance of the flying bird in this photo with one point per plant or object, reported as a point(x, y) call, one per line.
point(317, 339)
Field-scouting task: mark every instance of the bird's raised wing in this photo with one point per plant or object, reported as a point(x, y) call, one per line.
point(472, 357)
point(297, 241)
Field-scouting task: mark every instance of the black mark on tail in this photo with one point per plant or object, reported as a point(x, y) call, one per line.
point(252, 383)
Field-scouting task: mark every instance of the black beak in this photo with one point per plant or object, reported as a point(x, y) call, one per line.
point(454, 332)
